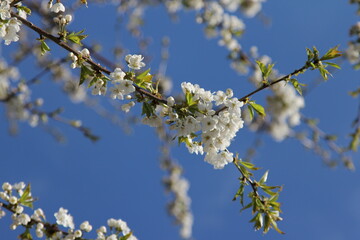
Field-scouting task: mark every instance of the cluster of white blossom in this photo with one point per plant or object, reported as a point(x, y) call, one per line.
point(180, 207)
point(9, 26)
point(122, 87)
point(353, 51)
point(7, 74)
point(13, 197)
point(283, 106)
point(7, 194)
point(16, 96)
point(203, 129)
point(248, 7)
point(217, 21)
point(85, 53)
point(62, 21)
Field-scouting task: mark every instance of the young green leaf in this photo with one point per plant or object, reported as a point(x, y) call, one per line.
point(148, 109)
point(143, 74)
point(324, 73)
point(84, 73)
point(44, 47)
point(25, 9)
point(76, 37)
point(355, 140)
point(310, 54)
point(248, 165)
point(26, 198)
point(297, 85)
point(333, 65)
point(264, 177)
point(258, 108)
point(332, 53)
point(251, 111)
point(355, 93)
point(239, 193)
point(265, 70)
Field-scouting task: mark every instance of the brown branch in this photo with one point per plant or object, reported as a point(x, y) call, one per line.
point(264, 86)
point(251, 182)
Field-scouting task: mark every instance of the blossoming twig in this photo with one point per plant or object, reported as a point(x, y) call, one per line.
point(96, 66)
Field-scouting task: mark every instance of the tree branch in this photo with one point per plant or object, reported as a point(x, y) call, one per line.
point(96, 66)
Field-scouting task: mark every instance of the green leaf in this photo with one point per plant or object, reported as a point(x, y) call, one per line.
point(355, 140)
point(246, 207)
point(258, 108)
point(44, 47)
point(248, 165)
point(239, 193)
point(189, 99)
point(265, 70)
point(251, 111)
point(275, 205)
point(26, 198)
point(332, 53)
point(264, 177)
point(261, 66)
point(143, 74)
point(266, 223)
point(333, 65)
point(324, 73)
point(357, 66)
point(274, 198)
point(25, 9)
point(271, 193)
point(126, 236)
point(259, 221)
point(297, 85)
point(144, 80)
point(310, 54)
point(330, 137)
point(148, 109)
point(26, 235)
point(274, 224)
point(76, 37)
point(316, 53)
point(84, 73)
point(355, 93)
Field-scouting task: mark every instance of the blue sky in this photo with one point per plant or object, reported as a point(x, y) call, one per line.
point(119, 176)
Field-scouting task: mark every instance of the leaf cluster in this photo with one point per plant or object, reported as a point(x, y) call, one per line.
point(76, 37)
point(265, 207)
point(265, 70)
point(314, 60)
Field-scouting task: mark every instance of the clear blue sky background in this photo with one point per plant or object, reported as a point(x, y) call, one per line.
point(119, 176)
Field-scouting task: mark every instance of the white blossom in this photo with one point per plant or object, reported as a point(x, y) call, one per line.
point(170, 101)
point(5, 10)
point(126, 107)
point(13, 200)
point(7, 186)
point(64, 219)
point(57, 7)
point(117, 75)
point(85, 226)
point(135, 61)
